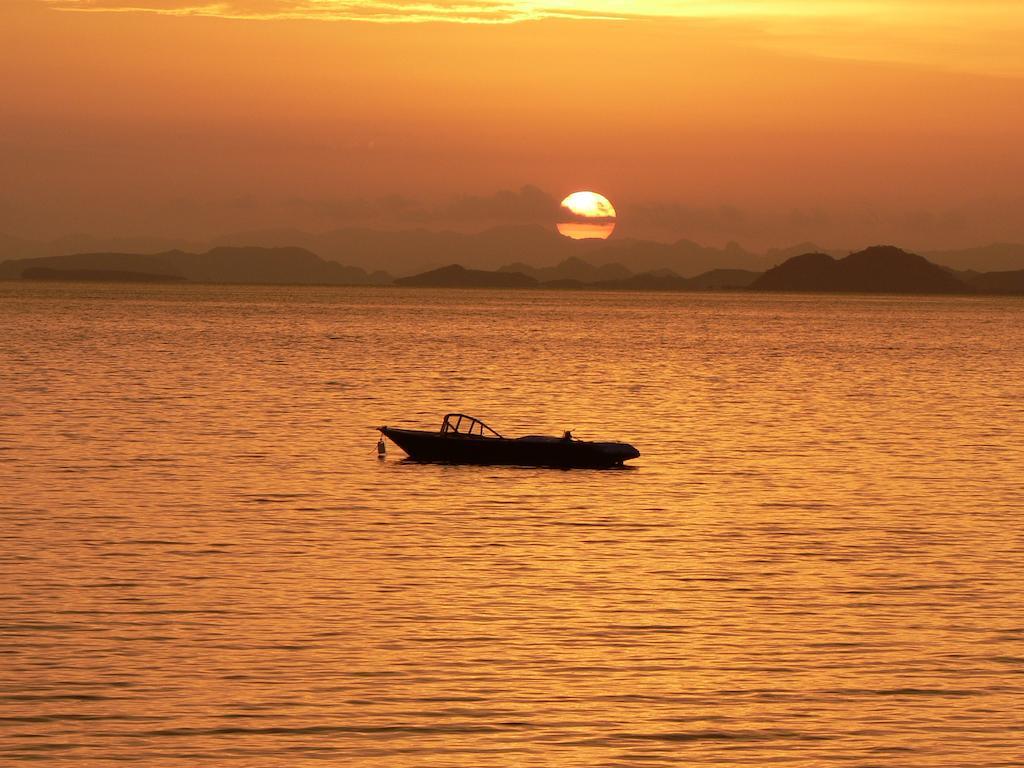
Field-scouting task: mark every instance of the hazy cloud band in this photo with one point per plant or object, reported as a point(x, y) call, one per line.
point(981, 36)
point(383, 11)
point(893, 11)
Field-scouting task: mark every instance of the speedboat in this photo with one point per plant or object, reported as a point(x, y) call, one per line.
point(465, 440)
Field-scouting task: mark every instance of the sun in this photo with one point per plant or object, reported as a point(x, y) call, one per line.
point(587, 215)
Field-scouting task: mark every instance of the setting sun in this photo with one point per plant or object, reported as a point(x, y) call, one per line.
point(587, 215)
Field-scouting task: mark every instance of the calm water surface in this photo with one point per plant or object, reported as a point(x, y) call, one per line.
point(816, 561)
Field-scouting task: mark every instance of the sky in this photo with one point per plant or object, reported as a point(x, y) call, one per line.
point(767, 123)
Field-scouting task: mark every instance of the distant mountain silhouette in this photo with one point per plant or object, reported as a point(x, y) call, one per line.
point(510, 248)
point(292, 256)
point(660, 280)
point(160, 264)
point(685, 258)
point(97, 275)
point(20, 248)
point(778, 255)
point(880, 269)
point(457, 276)
point(667, 280)
point(995, 282)
point(220, 265)
point(407, 252)
point(572, 268)
point(576, 272)
point(268, 265)
point(998, 257)
point(724, 279)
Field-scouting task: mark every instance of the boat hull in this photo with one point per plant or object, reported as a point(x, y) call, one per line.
point(524, 451)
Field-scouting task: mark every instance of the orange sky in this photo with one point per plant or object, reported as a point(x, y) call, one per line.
point(769, 123)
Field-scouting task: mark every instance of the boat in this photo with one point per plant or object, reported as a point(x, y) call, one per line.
point(463, 439)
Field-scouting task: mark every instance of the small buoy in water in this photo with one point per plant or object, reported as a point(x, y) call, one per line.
point(382, 447)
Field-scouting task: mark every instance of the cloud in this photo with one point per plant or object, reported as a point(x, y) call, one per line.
point(381, 11)
point(527, 205)
point(664, 220)
point(678, 217)
point(981, 36)
point(893, 11)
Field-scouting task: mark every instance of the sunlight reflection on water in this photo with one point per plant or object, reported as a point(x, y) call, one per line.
point(815, 561)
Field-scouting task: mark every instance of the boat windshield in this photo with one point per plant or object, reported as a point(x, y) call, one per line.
point(461, 424)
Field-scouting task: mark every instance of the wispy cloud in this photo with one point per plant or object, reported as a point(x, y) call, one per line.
point(521, 10)
point(980, 36)
point(380, 11)
point(527, 205)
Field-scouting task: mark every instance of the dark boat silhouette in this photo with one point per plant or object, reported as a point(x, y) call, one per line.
point(465, 440)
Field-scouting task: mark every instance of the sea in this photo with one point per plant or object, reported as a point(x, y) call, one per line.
point(818, 559)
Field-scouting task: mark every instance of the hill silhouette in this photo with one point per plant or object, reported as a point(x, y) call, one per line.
point(413, 251)
point(658, 280)
point(219, 265)
point(876, 269)
point(158, 264)
point(998, 257)
point(684, 257)
point(724, 279)
point(573, 268)
point(667, 280)
point(457, 276)
point(996, 282)
point(409, 252)
point(879, 269)
point(512, 248)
